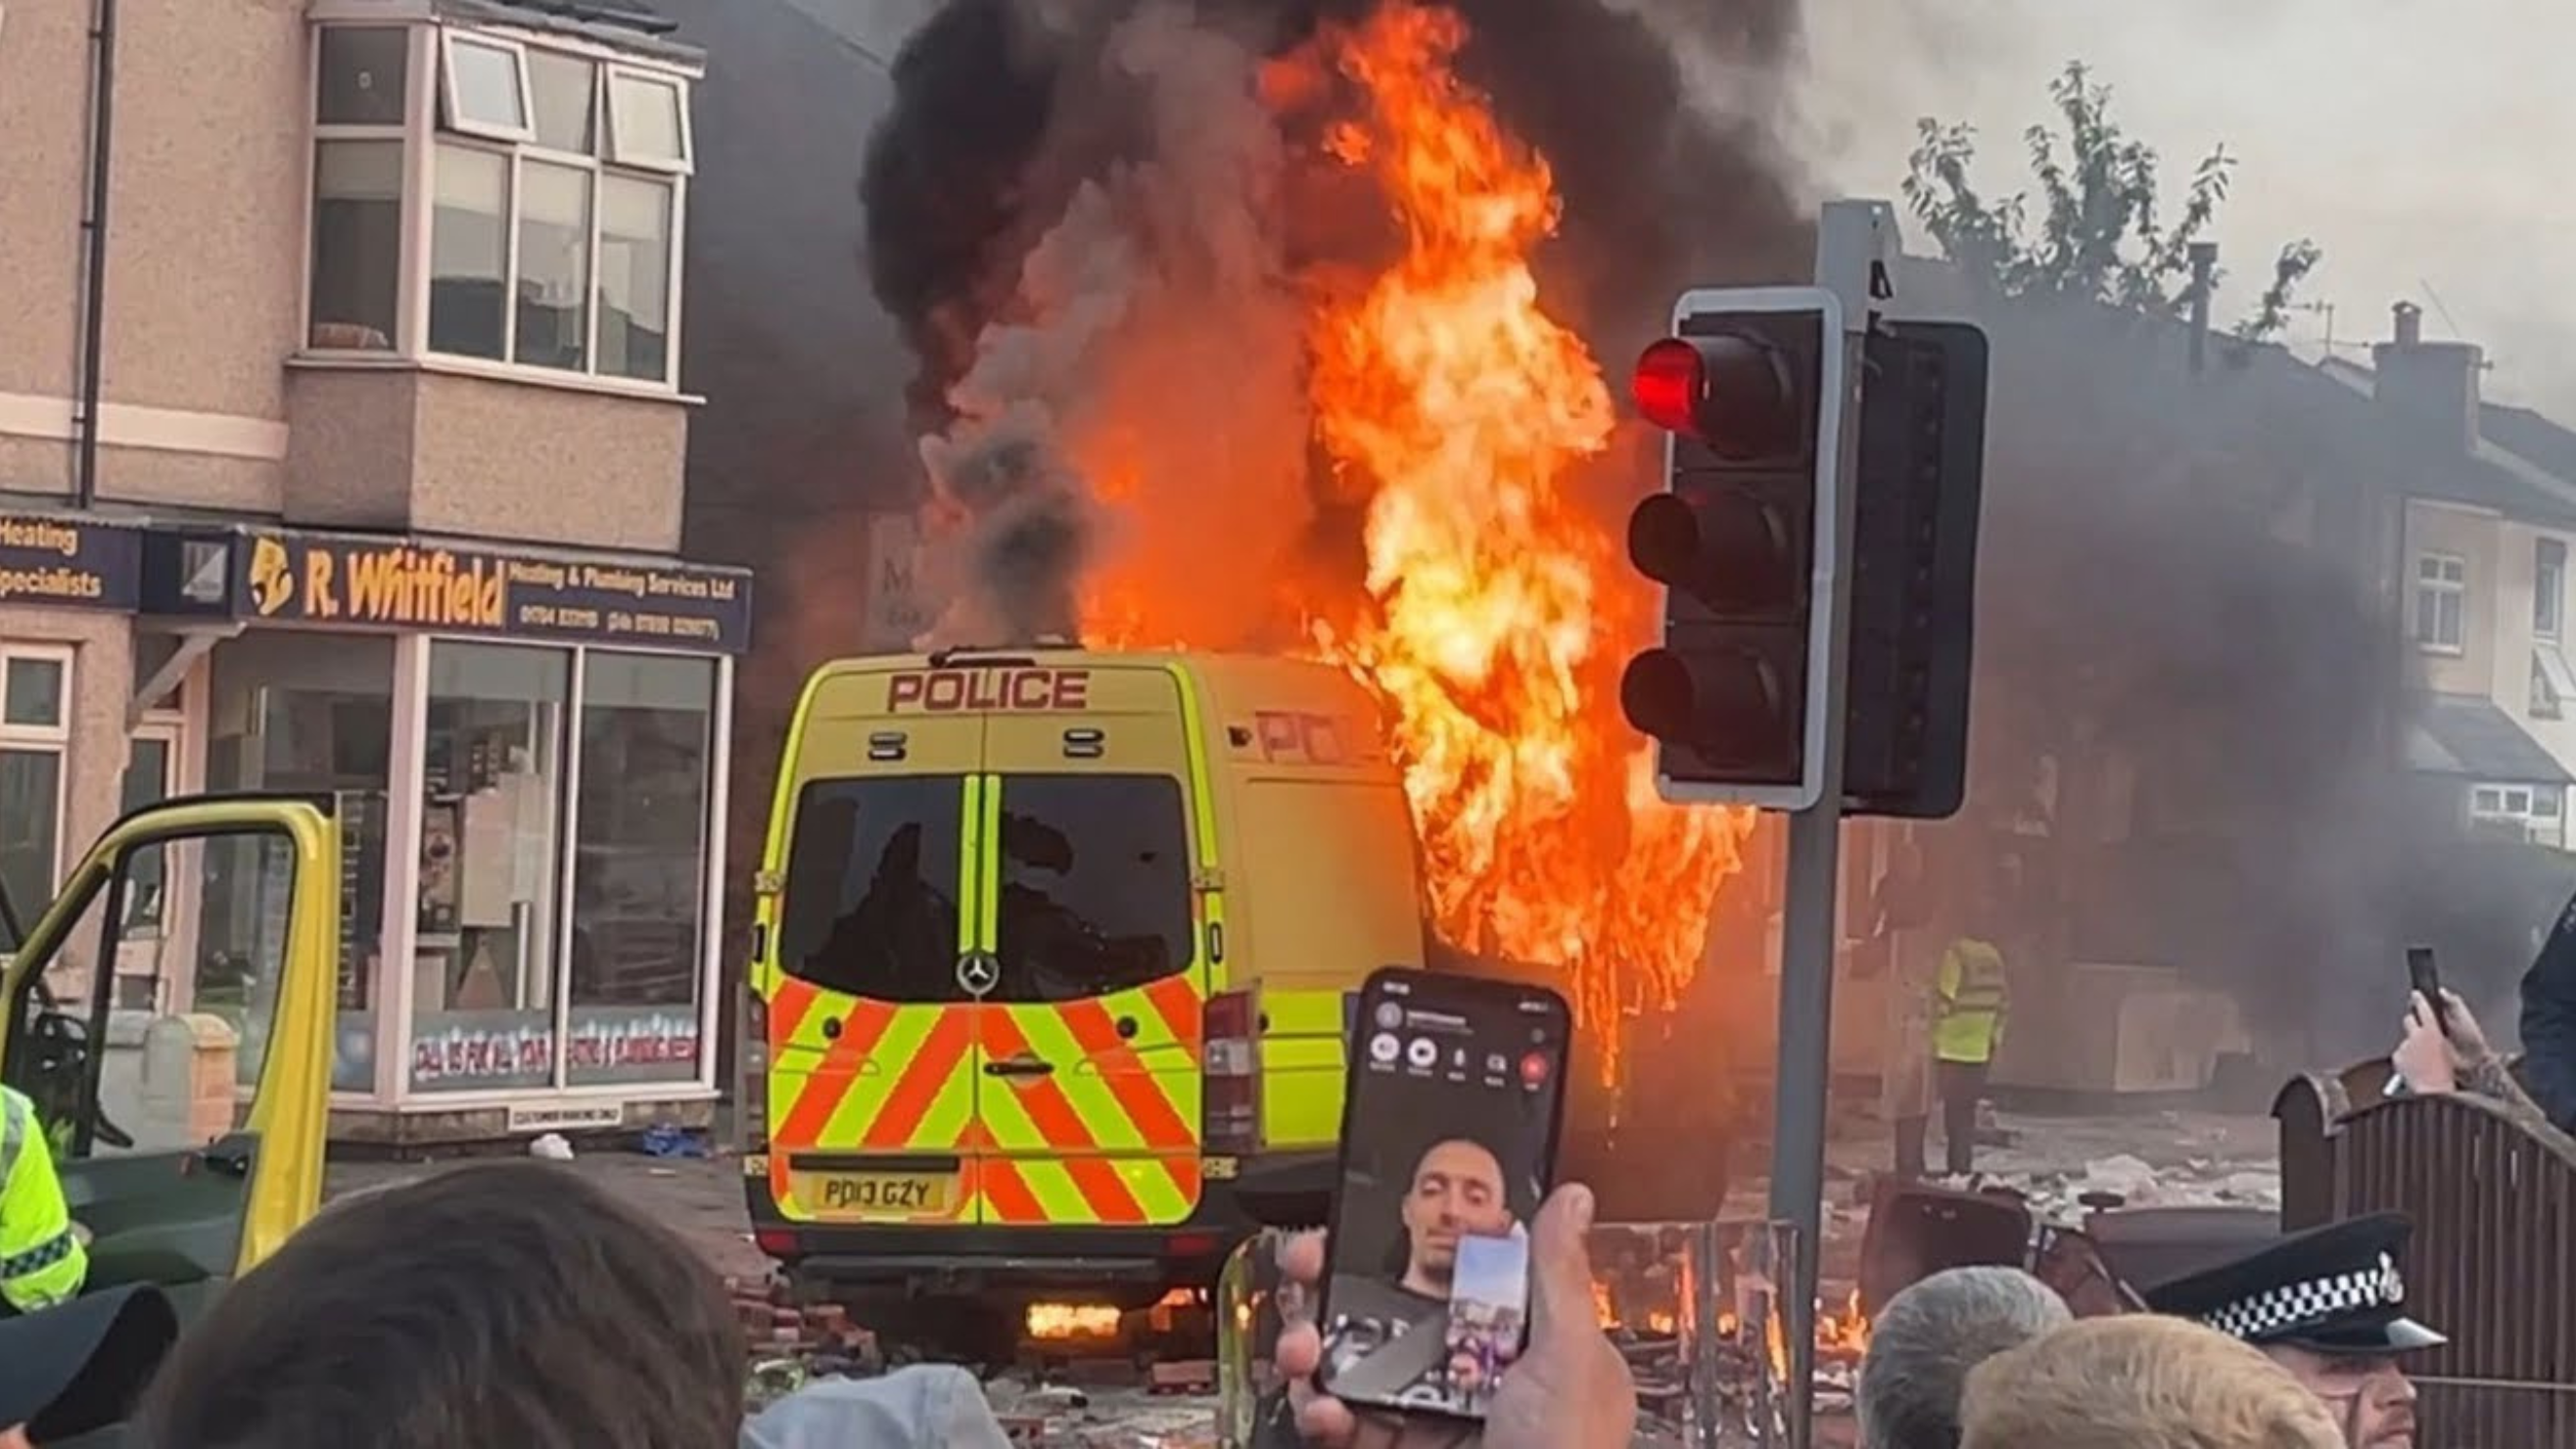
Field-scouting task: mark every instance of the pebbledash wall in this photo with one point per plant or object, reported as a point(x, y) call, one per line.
point(525, 751)
point(351, 462)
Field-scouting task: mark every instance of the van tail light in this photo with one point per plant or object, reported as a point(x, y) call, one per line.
point(778, 1242)
point(1231, 1075)
point(751, 1095)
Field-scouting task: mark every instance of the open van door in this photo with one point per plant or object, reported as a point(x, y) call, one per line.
point(184, 1168)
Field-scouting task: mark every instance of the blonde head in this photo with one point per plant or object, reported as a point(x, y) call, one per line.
point(2140, 1382)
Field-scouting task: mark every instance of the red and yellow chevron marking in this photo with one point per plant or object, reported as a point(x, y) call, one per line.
point(1111, 1137)
point(894, 1079)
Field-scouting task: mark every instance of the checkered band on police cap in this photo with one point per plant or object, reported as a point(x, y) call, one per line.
point(2302, 1305)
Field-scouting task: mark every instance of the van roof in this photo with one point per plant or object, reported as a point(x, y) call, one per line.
point(1196, 659)
point(1233, 683)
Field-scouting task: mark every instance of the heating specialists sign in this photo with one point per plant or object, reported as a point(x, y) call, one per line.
point(439, 588)
point(74, 563)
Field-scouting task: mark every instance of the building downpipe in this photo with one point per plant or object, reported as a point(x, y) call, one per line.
point(102, 122)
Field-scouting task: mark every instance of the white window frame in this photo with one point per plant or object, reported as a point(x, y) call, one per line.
point(395, 1014)
point(2514, 804)
point(404, 134)
point(2548, 589)
point(430, 111)
point(451, 117)
point(685, 163)
point(2449, 579)
point(55, 739)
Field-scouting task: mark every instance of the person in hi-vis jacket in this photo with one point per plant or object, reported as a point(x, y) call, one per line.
point(1969, 1002)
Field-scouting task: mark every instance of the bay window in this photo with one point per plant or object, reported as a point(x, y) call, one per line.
point(555, 181)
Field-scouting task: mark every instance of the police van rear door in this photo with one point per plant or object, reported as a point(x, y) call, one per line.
point(871, 1021)
point(1091, 1027)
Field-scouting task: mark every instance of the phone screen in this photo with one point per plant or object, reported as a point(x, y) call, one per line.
point(2420, 973)
point(1448, 1143)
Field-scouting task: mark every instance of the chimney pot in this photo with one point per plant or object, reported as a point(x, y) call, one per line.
point(2410, 324)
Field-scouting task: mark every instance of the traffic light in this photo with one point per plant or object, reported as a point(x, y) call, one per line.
point(1920, 472)
point(1750, 390)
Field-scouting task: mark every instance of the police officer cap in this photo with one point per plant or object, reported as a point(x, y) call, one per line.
point(2331, 1290)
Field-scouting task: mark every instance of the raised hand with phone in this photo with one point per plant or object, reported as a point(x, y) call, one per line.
point(1410, 1322)
point(1569, 1389)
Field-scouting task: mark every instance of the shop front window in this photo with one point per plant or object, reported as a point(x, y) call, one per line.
point(483, 967)
point(639, 868)
point(311, 713)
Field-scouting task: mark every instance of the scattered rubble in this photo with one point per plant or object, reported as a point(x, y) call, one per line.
point(2121, 1180)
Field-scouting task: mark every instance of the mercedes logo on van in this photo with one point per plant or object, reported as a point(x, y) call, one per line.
point(978, 973)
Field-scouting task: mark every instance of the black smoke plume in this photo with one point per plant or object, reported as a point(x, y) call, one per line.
point(1080, 215)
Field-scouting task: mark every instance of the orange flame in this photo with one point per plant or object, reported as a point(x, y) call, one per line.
point(1500, 613)
point(1056, 1321)
point(1497, 616)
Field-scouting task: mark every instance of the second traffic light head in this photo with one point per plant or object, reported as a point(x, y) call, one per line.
point(1732, 393)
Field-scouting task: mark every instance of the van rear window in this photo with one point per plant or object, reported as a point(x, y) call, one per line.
point(871, 890)
point(1093, 872)
point(1095, 885)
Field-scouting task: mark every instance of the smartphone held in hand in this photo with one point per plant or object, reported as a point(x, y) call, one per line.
point(2427, 983)
point(1449, 1137)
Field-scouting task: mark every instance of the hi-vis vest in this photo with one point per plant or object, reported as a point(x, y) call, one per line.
point(42, 1262)
point(1968, 1002)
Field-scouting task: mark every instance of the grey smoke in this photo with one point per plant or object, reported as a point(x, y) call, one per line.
point(1152, 330)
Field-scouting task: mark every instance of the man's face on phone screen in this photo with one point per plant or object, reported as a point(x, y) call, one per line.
point(1457, 1189)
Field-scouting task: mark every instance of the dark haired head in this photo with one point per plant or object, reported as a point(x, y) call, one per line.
point(499, 1304)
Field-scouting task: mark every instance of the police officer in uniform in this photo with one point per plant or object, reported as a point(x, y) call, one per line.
point(42, 1259)
point(2328, 1305)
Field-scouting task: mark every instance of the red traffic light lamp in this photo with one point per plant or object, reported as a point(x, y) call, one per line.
point(1747, 388)
point(1736, 394)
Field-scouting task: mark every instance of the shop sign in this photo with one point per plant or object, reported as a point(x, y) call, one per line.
point(407, 584)
point(477, 1051)
point(631, 1044)
point(75, 563)
point(565, 1116)
point(898, 610)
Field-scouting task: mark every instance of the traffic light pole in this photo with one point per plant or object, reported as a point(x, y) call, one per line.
point(1855, 243)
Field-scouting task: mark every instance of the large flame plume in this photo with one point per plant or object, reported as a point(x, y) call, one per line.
point(1186, 381)
point(1499, 612)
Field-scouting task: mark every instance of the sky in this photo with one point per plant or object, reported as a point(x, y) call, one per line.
point(2430, 150)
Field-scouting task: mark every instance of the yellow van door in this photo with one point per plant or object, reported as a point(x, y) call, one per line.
point(196, 933)
point(872, 1040)
point(1091, 1026)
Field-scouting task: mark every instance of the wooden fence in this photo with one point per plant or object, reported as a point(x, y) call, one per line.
point(2492, 1190)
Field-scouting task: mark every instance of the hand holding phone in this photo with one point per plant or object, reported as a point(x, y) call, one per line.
point(1570, 1388)
point(1449, 1135)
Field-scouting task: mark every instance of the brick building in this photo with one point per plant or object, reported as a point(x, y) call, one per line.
point(342, 435)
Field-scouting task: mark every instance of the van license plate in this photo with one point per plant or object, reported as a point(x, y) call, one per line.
point(873, 1194)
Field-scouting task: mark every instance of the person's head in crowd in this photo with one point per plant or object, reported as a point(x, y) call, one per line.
point(2139, 1381)
point(1927, 1338)
point(2329, 1305)
point(507, 1303)
point(1456, 1189)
